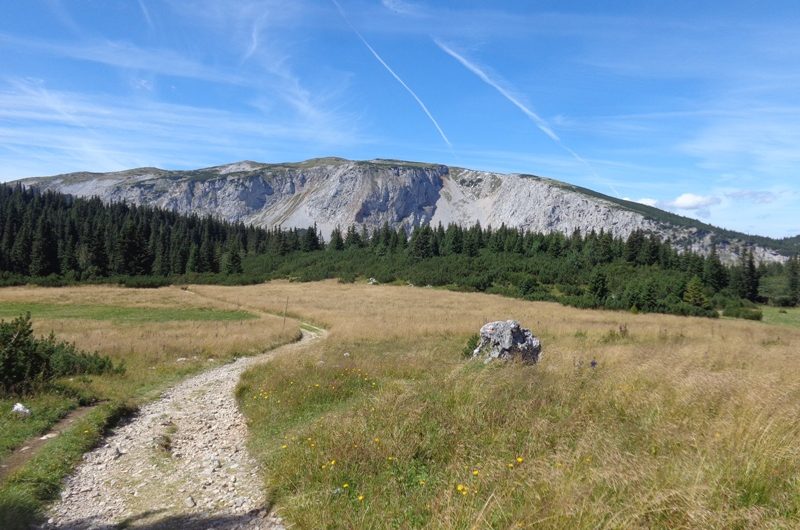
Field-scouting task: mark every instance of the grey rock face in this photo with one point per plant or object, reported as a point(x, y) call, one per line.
point(334, 192)
point(506, 339)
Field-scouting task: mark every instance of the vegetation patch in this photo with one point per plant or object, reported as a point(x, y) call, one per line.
point(155, 354)
point(121, 314)
point(627, 421)
point(784, 316)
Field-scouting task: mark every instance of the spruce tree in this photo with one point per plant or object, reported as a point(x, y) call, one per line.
point(598, 287)
point(44, 250)
point(233, 263)
point(694, 295)
point(714, 274)
point(750, 277)
point(336, 242)
point(794, 279)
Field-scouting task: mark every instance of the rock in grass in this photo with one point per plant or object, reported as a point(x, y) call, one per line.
point(506, 339)
point(21, 410)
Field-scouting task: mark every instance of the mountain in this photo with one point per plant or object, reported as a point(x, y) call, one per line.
point(336, 192)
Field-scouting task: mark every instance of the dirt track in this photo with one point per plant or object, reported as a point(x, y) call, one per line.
point(182, 462)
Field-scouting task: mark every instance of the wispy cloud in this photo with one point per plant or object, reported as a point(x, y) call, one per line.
point(128, 56)
point(47, 131)
point(494, 82)
point(146, 14)
point(505, 92)
point(402, 7)
point(756, 196)
point(397, 77)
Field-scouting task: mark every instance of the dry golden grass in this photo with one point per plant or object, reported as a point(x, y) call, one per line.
point(144, 329)
point(151, 342)
point(685, 423)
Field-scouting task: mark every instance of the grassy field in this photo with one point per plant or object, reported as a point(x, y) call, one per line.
point(121, 315)
point(684, 423)
point(161, 336)
point(784, 316)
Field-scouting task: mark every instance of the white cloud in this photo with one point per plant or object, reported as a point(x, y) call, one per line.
point(691, 201)
point(647, 201)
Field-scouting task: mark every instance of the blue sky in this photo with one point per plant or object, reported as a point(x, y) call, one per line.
point(689, 106)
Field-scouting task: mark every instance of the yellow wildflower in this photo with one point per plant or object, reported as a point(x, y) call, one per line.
point(520, 459)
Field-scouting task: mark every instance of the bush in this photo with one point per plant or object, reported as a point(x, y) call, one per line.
point(738, 311)
point(783, 301)
point(472, 343)
point(27, 362)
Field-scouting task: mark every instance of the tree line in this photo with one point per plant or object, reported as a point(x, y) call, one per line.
point(51, 235)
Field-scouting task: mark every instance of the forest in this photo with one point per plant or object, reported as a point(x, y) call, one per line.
point(49, 238)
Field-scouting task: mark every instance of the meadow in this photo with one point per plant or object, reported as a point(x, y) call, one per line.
point(159, 335)
point(683, 423)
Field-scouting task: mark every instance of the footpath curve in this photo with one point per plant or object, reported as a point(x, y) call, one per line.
point(181, 462)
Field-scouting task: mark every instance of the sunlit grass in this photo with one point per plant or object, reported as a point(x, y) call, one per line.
point(785, 316)
point(120, 314)
point(684, 423)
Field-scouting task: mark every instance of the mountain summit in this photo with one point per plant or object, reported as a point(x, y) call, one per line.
point(336, 192)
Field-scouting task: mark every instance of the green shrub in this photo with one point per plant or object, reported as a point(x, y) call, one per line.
point(472, 343)
point(27, 362)
point(738, 311)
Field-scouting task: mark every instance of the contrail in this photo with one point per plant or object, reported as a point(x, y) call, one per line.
point(535, 118)
point(389, 69)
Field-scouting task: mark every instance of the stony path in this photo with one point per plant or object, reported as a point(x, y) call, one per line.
point(181, 462)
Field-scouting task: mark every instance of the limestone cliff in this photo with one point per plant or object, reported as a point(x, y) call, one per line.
point(335, 192)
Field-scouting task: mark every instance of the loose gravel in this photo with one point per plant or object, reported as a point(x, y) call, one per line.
point(181, 462)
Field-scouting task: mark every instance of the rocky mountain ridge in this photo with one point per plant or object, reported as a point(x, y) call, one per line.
point(336, 192)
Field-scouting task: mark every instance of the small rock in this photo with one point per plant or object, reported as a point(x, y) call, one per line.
point(189, 502)
point(49, 435)
point(21, 410)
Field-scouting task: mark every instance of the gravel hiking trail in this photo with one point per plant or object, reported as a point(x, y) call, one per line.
point(181, 462)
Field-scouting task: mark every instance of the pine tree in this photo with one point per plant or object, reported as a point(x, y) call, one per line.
point(598, 287)
point(336, 242)
point(193, 263)
point(21, 249)
point(44, 250)
point(421, 244)
point(750, 277)
point(794, 279)
point(694, 295)
point(233, 263)
point(352, 239)
point(714, 274)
